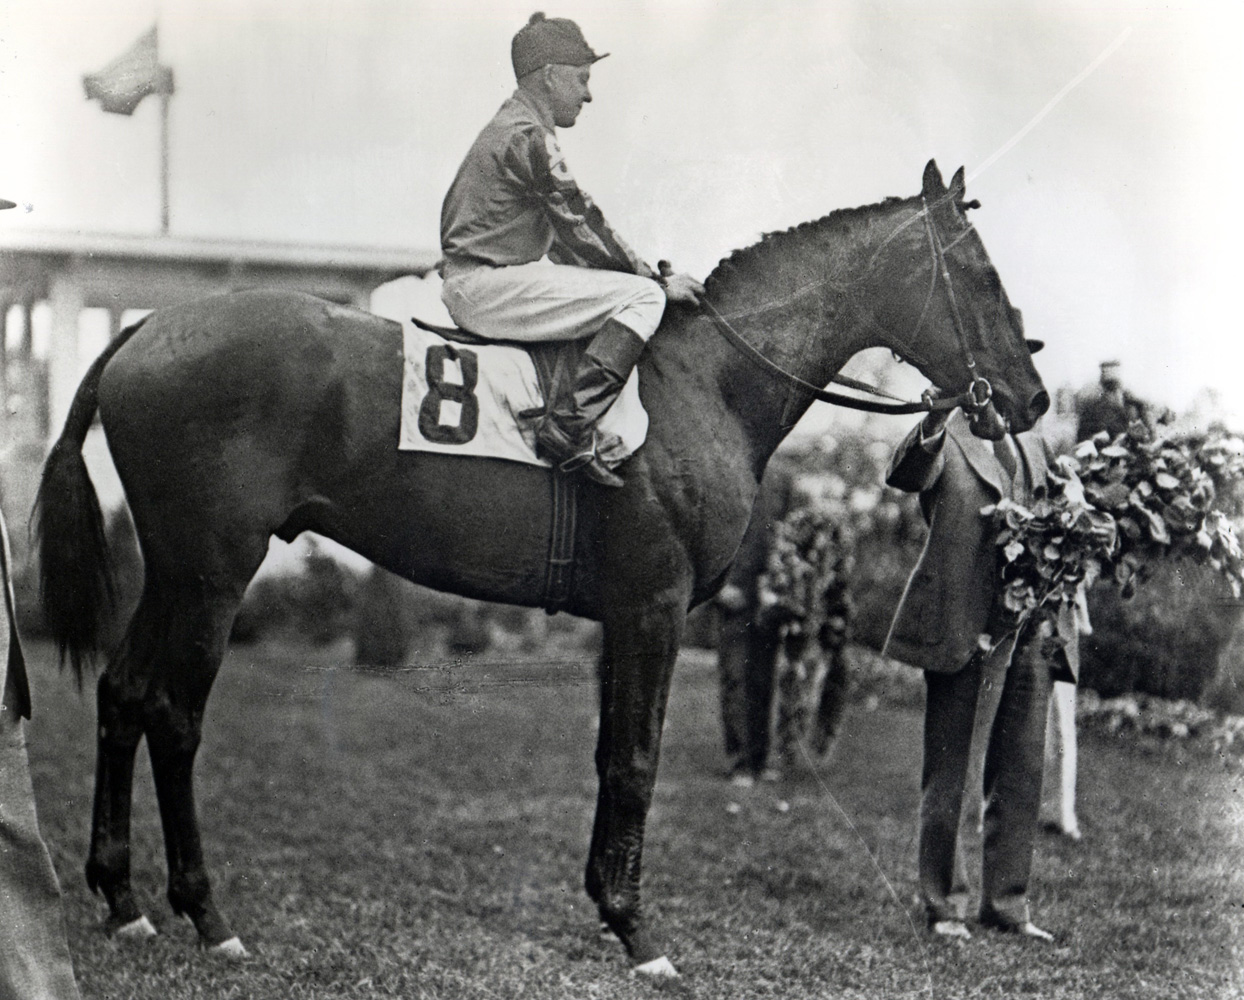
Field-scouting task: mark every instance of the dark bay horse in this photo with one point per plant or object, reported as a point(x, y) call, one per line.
point(254, 414)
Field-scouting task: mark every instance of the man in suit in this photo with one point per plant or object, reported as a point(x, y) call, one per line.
point(34, 954)
point(991, 703)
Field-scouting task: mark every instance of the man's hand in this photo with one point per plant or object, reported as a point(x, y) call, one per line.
point(935, 420)
point(680, 288)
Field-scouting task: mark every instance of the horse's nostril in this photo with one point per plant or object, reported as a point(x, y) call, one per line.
point(1039, 404)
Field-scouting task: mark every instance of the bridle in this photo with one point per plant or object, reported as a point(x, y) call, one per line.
point(977, 395)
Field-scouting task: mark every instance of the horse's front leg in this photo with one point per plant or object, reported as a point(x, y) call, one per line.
point(640, 647)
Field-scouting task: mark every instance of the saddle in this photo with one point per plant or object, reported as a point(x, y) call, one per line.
point(555, 362)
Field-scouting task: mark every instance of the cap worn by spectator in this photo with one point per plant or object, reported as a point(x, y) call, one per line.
point(549, 40)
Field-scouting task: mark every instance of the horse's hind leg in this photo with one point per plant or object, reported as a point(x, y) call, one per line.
point(197, 633)
point(120, 695)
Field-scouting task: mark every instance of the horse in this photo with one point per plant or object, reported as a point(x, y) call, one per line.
point(251, 414)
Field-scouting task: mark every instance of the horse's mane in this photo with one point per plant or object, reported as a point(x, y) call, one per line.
point(839, 220)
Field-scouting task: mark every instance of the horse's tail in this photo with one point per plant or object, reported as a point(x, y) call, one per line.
point(76, 585)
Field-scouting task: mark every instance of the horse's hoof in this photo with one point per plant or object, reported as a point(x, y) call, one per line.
point(136, 930)
point(233, 950)
point(658, 968)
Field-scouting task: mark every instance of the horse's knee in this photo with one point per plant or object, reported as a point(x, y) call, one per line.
point(630, 785)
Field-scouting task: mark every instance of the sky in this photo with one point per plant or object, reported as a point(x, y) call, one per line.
point(1105, 197)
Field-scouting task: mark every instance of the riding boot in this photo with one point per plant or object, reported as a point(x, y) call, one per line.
point(567, 435)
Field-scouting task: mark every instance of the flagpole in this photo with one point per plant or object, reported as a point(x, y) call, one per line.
point(164, 99)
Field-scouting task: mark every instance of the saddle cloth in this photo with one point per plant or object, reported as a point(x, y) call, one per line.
point(460, 399)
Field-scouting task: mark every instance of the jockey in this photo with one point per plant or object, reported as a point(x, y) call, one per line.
point(513, 203)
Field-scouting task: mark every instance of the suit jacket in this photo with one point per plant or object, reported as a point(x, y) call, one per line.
point(13, 683)
point(950, 594)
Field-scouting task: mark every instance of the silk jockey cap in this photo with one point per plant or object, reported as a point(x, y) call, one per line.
point(543, 41)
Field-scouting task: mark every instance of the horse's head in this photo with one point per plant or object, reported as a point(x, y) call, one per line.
point(964, 331)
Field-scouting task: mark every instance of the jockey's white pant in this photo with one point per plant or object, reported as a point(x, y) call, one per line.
point(546, 301)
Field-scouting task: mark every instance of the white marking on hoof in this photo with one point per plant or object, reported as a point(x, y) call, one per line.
point(136, 930)
point(658, 968)
point(232, 949)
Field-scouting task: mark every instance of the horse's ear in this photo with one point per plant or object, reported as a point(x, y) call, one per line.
point(957, 185)
point(933, 185)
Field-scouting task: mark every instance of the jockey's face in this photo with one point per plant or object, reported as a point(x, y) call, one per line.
point(568, 92)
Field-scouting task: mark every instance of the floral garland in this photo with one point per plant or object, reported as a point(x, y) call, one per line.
point(1114, 506)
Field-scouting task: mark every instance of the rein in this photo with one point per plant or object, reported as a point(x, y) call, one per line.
point(977, 394)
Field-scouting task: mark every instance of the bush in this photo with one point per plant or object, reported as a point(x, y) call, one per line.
point(397, 622)
point(382, 629)
point(316, 604)
point(1166, 641)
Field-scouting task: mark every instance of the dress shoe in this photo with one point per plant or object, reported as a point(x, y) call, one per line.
point(1026, 929)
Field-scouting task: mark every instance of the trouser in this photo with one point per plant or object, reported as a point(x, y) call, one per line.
point(1006, 706)
point(746, 657)
point(544, 301)
point(34, 953)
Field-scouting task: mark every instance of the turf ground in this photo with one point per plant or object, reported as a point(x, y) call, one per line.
point(423, 834)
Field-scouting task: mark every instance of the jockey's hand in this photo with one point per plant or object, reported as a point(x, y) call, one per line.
point(683, 289)
point(680, 288)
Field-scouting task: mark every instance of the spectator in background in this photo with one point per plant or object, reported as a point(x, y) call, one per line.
point(747, 647)
point(992, 703)
point(1109, 407)
point(1058, 792)
point(34, 953)
point(805, 594)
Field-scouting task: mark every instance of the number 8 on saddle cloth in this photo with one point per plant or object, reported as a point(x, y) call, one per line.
point(462, 396)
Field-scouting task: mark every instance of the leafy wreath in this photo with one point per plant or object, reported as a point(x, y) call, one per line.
point(1113, 507)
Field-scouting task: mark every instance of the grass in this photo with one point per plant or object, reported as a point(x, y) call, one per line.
point(423, 835)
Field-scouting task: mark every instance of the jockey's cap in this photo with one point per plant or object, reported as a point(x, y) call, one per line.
point(549, 40)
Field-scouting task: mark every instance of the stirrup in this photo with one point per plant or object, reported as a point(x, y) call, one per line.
point(557, 446)
point(593, 468)
point(576, 462)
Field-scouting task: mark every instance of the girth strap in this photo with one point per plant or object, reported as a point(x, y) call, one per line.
point(559, 577)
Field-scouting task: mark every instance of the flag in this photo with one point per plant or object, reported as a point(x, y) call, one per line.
point(130, 77)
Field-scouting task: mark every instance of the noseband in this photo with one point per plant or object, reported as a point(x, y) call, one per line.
point(978, 393)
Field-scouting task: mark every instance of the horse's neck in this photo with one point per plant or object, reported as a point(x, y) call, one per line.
point(794, 298)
